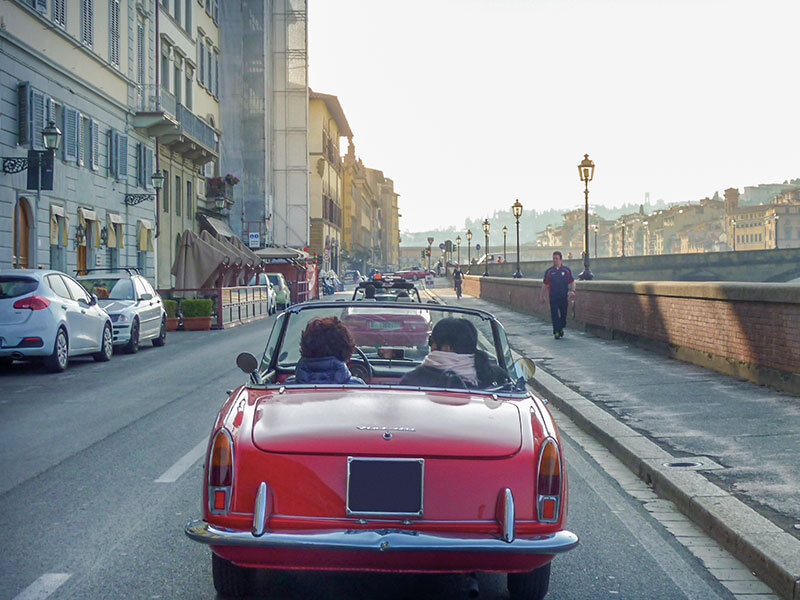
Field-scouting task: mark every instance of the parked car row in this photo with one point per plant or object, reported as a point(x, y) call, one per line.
point(50, 316)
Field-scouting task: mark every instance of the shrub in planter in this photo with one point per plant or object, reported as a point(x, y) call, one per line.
point(171, 308)
point(196, 314)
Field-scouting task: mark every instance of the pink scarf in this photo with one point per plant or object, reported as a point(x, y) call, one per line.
point(462, 365)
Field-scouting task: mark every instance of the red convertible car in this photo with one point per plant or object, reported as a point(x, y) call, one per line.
point(383, 477)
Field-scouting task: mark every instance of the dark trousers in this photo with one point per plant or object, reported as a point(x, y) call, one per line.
point(558, 312)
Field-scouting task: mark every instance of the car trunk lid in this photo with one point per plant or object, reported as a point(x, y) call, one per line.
point(386, 423)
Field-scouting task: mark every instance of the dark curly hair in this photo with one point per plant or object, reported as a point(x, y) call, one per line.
point(327, 336)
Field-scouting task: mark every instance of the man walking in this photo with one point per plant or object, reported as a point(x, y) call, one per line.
point(560, 284)
point(458, 278)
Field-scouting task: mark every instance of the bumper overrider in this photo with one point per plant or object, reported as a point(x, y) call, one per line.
point(382, 540)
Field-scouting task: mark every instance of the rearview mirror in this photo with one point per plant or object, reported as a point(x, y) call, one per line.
point(94, 300)
point(524, 369)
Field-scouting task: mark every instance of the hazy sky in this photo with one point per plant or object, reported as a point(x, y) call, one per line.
point(470, 104)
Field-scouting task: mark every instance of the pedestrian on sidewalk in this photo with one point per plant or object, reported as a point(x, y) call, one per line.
point(560, 285)
point(458, 279)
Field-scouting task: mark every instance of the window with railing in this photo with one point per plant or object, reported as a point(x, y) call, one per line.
point(331, 211)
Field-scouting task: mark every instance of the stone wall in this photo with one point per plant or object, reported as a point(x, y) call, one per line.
point(750, 330)
point(750, 265)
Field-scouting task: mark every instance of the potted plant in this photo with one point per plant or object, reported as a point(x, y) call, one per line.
point(171, 308)
point(196, 314)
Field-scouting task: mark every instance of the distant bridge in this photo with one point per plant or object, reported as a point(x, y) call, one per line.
point(780, 265)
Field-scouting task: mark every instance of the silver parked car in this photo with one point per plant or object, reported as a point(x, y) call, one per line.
point(47, 315)
point(134, 306)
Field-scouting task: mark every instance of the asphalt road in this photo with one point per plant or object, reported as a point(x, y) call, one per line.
point(101, 470)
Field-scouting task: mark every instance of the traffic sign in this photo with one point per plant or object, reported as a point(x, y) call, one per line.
point(441, 246)
point(477, 246)
point(254, 239)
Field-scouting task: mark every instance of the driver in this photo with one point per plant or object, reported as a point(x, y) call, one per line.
point(325, 345)
point(454, 360)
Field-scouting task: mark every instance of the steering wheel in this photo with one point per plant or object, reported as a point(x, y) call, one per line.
point(363, 368)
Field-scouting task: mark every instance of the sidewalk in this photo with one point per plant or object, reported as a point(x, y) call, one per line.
point(747, 437)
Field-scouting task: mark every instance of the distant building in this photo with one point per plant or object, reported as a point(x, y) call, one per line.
point(327, 125)
point(264, 79)
point(360, 214)
point(389, 217)
point(764, 226)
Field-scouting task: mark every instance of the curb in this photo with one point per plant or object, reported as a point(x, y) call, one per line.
point(770, 552)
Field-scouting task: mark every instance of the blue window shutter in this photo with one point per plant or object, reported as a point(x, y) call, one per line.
point(41, 5)
point(139, 163)
point(112, 153)
point(24, 113)
point(70, 140)
point(123, 157)
point(148, 168)
point(38, 115)
point(94, 145)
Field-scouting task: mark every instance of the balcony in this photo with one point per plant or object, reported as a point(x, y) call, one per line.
point(219, 192)
point(193, 137)
point(155, 111)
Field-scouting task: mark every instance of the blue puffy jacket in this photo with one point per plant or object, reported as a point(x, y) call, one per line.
point(326, 369)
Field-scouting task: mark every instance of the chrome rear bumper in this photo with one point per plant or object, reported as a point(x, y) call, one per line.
point(382, 540)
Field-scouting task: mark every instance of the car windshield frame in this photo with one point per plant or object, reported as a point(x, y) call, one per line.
point(269, 362)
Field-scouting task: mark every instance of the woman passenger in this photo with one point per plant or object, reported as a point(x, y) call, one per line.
point(325, 345)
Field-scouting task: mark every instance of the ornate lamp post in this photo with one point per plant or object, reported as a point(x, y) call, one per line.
point(623, 238)
point(595, 228)
point(486, 256)
point(469, 251)
point(158, 182)
point(586, 172)
point(458, 250)
point(516, 209)
point(733, 236)
point(505, 232)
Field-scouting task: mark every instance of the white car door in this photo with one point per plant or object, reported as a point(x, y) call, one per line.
point(88, 323)
point(155, 308)
point(146, 309)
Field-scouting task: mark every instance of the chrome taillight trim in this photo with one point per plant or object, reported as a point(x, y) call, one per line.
point(227, 489)
point(505, 514)
point(540, 498)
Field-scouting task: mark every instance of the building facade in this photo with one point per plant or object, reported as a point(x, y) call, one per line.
point(327, 125)
point(182, 112)
point(359, 214)
point(763, 226)
point(81, 65)
point(265, 106)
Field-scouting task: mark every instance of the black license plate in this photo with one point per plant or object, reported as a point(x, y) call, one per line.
point(384, 486)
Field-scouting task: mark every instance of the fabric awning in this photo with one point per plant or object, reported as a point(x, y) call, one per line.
point(218, 226)
point(282, 252)
point(57, 212)
point(144, 236)
point(115, 218)
point(88, 218)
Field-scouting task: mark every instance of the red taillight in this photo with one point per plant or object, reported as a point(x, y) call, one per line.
point(220, 462)
point(548, 481)
point(32, 302)
point(220, 472)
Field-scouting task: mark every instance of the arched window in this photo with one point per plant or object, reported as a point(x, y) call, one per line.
point(22, 234)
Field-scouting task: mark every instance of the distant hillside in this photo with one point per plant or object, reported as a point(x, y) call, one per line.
point(530, 223)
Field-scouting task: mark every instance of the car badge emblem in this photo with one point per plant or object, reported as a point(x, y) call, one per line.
point(381, 428)
point(387, 435)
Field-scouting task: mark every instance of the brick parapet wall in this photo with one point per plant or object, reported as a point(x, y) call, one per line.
point(744, 329)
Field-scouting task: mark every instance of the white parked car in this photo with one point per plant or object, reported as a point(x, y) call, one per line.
point(47, 315)
point(262, 279)
point(135, 308)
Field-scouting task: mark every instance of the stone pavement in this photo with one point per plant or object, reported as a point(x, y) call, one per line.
point(746, 436)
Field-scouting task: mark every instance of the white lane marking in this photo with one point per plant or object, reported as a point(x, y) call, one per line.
point(172, 474)
point(43, 587)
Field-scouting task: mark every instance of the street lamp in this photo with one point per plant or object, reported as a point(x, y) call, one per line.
point(486, 256)
point(505, 232)
point(586, 172)
point(52, 136)
point(776, 231)
point(157, 178)
point(516, 209)
point(458, 250)
point(469, 251)
point(623, 237)
point(733, 235)
point(595, 228)
point(430, 242)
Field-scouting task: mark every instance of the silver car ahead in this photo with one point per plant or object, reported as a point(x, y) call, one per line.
point(134, 306)
point(48, 315)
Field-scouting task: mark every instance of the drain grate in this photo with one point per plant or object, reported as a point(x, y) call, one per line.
point(683, 464)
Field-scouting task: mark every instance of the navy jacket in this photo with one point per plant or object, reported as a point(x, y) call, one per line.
point(326, 369)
